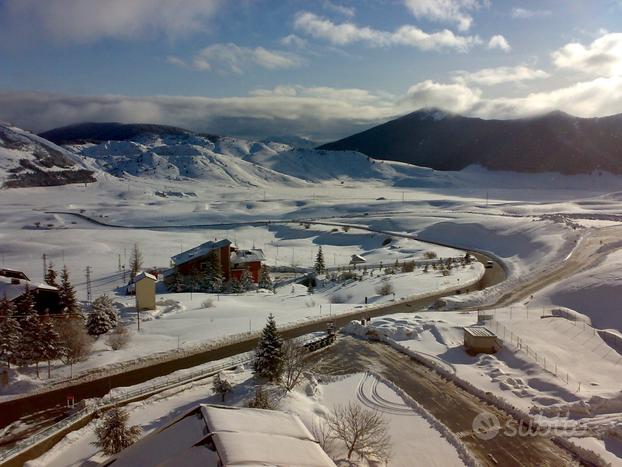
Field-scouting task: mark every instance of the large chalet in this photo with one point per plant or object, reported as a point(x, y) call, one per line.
point(233, 260)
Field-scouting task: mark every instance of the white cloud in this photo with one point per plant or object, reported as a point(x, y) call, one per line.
point(454, 97)
point(500, 75)
point(233, 58)
point(322, 113)
point(602, 57)
point(445, 11)
point(83, 21)
point(346, 11)
point(292, 40)
point(499, 42)
point(348, 33)
point(524, 13)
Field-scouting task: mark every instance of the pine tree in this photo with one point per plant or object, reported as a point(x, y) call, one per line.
point(136, 261)
point(67, 294)
point(51, 276)
point(52, 348)
point(107, 305)
point(234, 286)
point(320, 266)
point(246, 280)
point(212, 280)
point(269, 352)
point(30, 347)
point(113, 434)
point(99, 321)
point(10, 331)
point(221, 386)
point(265, 281)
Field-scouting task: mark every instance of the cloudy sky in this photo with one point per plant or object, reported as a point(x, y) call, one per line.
point(316, 68)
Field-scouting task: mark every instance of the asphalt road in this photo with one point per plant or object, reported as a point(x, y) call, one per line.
point(453, 406)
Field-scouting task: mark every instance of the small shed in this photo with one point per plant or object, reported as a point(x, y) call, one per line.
point(357, 259)
point(144, 287)
point(480, 339)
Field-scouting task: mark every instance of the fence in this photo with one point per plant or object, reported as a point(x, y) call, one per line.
point(608, 347)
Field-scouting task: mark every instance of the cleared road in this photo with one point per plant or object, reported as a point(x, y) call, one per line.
point(452, 405)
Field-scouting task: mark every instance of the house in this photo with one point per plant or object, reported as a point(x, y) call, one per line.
point(479, 339)
point(233, 261)
point(144, 287)
point(13, 287)
point(357, 259)
point(220, 436)
point(13, 273)
point(246, 259)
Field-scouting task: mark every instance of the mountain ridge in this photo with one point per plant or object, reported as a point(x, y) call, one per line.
point(551, 142)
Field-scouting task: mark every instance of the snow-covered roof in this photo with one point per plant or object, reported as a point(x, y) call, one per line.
point(199, 251)
point(13, 288)
point(479, 331)
point(144, 275)
point(229, 436)
point(247, 256)
point(357, 259)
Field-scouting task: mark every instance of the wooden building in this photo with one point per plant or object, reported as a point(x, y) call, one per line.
point(145, 290)
point(233, 261)
point(13, 287)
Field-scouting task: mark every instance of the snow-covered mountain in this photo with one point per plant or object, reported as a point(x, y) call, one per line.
point(29, 160)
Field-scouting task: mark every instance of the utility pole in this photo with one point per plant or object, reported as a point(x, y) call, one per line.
point(138, 311)
point(88, 285)
point(119, 266)
point(486, 199)
point(45, 265)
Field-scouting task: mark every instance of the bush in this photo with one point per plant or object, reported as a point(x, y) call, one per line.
point(386, 241)
point(345, 228)
point(386, 288)
point(261, 400)
point(339, 298)
point(347, 275)
point(430, 255)
point(207, 303)
point(118, 338)
point(408, 266)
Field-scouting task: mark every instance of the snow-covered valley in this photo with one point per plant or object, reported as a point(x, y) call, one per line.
point(168, 195)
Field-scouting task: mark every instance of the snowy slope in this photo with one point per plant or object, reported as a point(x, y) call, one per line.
point(178, 158)
point(29, 160)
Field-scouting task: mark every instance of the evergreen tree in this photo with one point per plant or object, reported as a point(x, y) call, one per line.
point(105, 303)
point(221, 386)
point(320, 266)
point(136, 261)
point(51, 276)
point(269, 352)
point(52, 348)
point(67, 294)
point(113, 434)
point(213, 279)
point(234, 286)
point(30, 347)
point(10, 331)
point(246, 280)
point(99, 321)
point(265, 281)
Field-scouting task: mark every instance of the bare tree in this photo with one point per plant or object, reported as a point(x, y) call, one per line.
point(75, 342)
point(363, 432)
point(295, 364)
point(321, 431)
